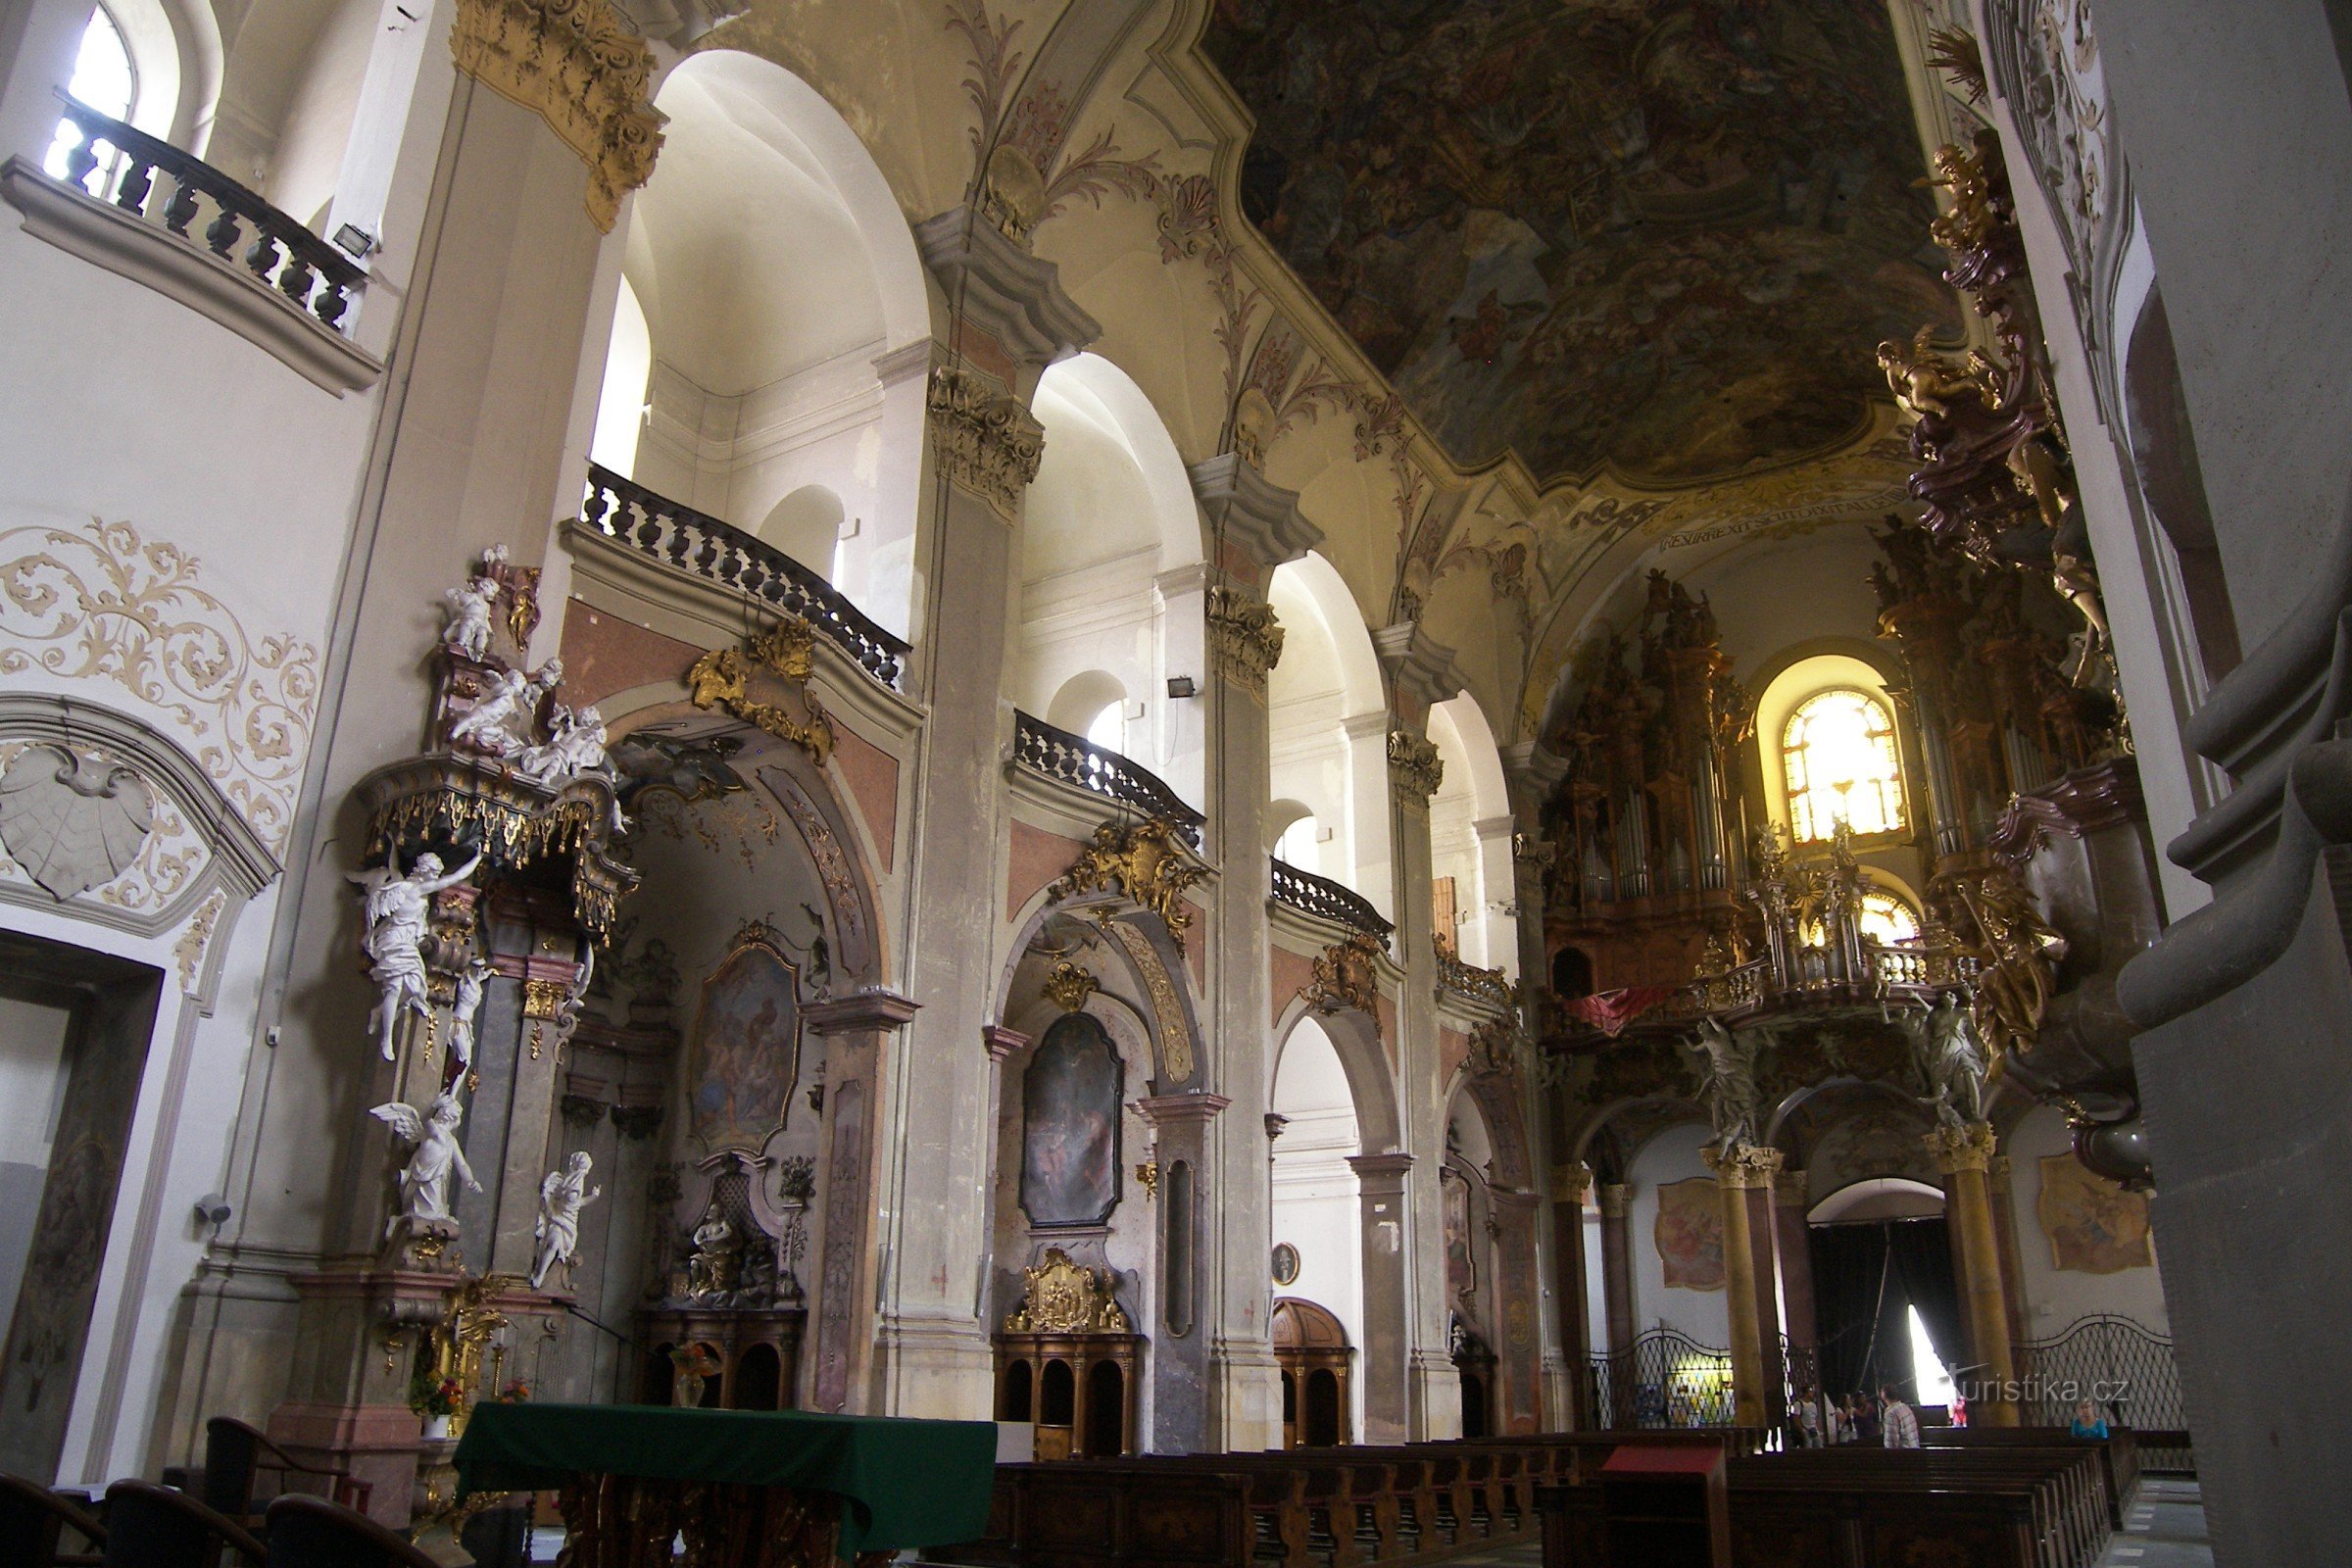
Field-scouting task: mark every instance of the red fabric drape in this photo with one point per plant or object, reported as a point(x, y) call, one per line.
point(1609, 1011)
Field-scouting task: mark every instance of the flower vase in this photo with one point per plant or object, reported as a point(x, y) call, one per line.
point(436, 1429)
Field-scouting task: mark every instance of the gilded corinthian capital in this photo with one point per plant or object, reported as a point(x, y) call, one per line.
point(1966, 1146)
point(986, 441)
point(1414, 769)
point(576, 65)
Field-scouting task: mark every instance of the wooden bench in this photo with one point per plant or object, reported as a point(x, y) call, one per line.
point(2117, 1452)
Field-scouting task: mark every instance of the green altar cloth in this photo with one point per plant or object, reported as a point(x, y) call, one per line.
point(903, 1483)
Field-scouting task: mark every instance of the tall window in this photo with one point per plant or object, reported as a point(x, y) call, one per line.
point(103, 79)
point(1838, 757)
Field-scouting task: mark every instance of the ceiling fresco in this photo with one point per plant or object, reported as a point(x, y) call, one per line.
point(1662, 237)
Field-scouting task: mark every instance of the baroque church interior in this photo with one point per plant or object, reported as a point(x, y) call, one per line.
point(1085, 782)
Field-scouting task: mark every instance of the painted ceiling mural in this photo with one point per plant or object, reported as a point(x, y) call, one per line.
point(1662, 237)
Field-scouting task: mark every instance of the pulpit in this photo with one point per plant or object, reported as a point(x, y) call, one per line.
point(742, 1489)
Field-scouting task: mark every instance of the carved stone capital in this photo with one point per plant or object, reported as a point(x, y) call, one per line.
point(1244, 640)
point(986, 441)
point(1616, 1199)
point(1571, 1183)
point(576, 65)
point(1744, 1168)
point(637, 1122)
point(581, 1111)
point(1414, 769)
point(998, 287)
point(1169, 1111)
point(1966, 1146)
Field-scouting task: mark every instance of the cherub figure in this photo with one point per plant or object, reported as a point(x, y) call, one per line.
point(562, 1194)
point(464, 1010)
point(491, 724)
point(575, 744)
point(467, 630)
point(424, 1179)
point(395, 909)
point(1925, 382)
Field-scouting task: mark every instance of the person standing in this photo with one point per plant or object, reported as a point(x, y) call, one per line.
point(1897, 1421)
point(1866, 1418)
point(2088, 1423)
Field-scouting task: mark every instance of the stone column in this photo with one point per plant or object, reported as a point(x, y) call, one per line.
point(1744, 1176)
point(1793, 1242)
point(1254, 527)
point(1380, 1183)
point(1569, 1186)
point(2013, 1268)
point(1964, 1154)
point(854, 1030)
point(1191, 1362)
point(1519, 1357)
point(1009, 319)
point(1617, 1298)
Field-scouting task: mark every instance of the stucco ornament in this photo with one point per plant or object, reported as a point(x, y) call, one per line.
point(465, 1005)
point(1064, 1297)
point(395, 908)
point(71, 821)
point(1148, 863)
point(575, 744)
point(562, 1194)
point(577, 64)
point(436, 1157)
point(986, 442)
point(467, 630)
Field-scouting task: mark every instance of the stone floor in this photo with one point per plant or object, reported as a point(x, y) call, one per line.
point(2165, 1529)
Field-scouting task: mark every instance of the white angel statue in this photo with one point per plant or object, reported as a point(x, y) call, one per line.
point(1726, 1083)
point(395, 908)
point(575, 744)
point(424, 1179)
point(1950, 1061)
point(463, 1011)
point(562, 1194)
point(467, 630)
point(491, 723)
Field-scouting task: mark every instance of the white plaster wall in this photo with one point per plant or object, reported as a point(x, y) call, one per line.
point(2055, 1297)
point(1596, 1286)
point(1705, 1315)
point(1316, 1208)
point(309, 158)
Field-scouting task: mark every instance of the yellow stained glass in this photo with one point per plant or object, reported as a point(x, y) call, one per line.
point(1838, 755)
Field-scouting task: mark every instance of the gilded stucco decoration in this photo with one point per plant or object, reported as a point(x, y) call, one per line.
point(1167, 1008)
point(1244, 640)
point(986, 442)
point(1147, 861)
point(781, 658)
point(1066, 1298)
point(1414, 767)
point(1969, 1146)
point(1346, 974)
point(2017, 953)
point(576, 65)
point(1067, 986)
point(104, 603)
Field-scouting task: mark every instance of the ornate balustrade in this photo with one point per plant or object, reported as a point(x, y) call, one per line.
point(1074, 760)
point(308, 272)
point(1489, 986)
point(655, 525)
point(1326, 900)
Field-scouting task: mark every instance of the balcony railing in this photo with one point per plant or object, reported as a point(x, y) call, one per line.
point(309, 272)
point(655, 525)
point(1491, 986)
point(1326, 900)
point(1074, 760)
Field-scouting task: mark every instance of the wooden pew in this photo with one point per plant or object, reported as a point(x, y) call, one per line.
point(2118, 1452)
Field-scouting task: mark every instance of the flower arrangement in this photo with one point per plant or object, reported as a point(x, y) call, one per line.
point(515, 1393)
point(431, 1396)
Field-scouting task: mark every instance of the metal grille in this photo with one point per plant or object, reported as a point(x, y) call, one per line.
point(2115, 1362)
point(1662, 1380)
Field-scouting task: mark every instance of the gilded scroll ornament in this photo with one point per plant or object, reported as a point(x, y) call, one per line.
point(723, 679)
point(1146, 861)
point(2017, 953)
point(1066, 1298)
point(1414, 769)
point(576, 65)
point(1347, 975)
point(1068, 986)
point(1244, 640)
point(1168, 1010)
point(986, 441)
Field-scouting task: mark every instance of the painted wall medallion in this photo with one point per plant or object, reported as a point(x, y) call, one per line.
point(1285, 1264)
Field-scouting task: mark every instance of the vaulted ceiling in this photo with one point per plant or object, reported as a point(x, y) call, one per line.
point(1660, 237)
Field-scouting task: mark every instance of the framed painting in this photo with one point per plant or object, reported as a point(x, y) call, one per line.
point(747, 1048)
point(2094, 1226)
point(1071, 1094)
point(1689, 1234)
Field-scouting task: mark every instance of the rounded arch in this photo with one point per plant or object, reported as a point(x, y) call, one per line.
point(1312, 598)
point(806, 526)
point(1356, 1039)
point(1101, 387)
point(1328, 710)
point(1459, 727)
point(1080, 700)
point(1877, 1197)
point(1300, 1324)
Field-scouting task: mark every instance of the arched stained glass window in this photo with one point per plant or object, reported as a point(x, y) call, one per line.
point(1838, 757)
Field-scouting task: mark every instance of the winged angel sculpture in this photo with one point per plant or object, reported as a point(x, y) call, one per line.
point(436, 1157)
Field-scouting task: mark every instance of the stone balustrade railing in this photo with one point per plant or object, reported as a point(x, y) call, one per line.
point(1327, 900)
point(1074, 760)
point(308, 272)
point(622, 510)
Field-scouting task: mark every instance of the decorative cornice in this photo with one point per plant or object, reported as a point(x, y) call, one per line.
point(1169, 1110)
point(1414, 769)
point(1247, 509)
point(2082, 802)
point(1744, 1168)
point(1001, 1041)
point(1003, 290)
point(986, 441)
point(1966, 1146)
point(1418, 666)
point(859, 1010)
point(577, 65)
point(1244, 640)
point(1374, 1167)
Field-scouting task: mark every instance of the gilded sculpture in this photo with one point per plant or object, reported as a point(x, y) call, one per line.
point(1346, 974)
point(1147, 862)
point(1064, 1297)
point(1068, 986)
point(723, 679)
point(578, 66)
point(2018, 953)
point(1244, 640)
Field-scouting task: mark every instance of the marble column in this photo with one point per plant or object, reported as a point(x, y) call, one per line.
point(857, 1031)
point(1793, 1242)
point(1743, 1174)
point(1964, 1154)
point(1380, 1183)
point(1569, 1186)
point(2013, 1267)
point(1255, 527)
point(1617, 1298)
point(1010, 317)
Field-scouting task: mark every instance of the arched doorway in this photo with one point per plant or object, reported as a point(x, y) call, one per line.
point(1312, 1347)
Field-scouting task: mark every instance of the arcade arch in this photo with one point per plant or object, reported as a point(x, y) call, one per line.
point(1330, 718)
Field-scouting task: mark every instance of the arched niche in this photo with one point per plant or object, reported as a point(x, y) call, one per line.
point(1470, 837)
point(1328, 712)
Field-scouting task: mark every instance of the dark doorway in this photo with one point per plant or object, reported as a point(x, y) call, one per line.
point(82, 1021)
point(1571, 974)
point(1106, 1411)
point(1325, 1425)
